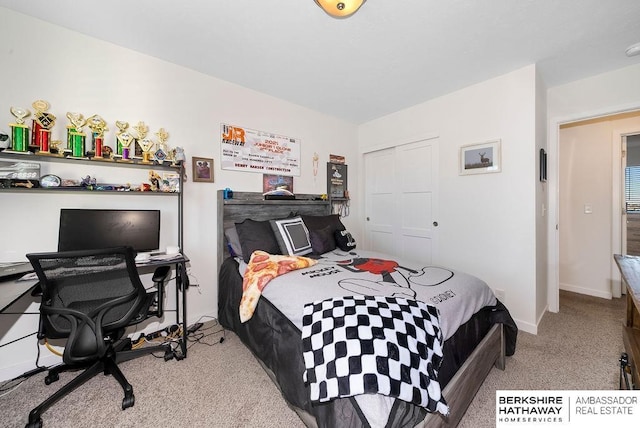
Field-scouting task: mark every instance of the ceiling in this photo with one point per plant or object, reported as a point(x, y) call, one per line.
point(390, 55)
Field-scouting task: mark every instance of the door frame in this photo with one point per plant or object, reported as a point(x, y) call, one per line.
point(619, 229)
point(553, 165)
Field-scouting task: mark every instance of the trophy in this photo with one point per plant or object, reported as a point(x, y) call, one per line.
point(147, 145)
point(75, 137)
point(122, 127)
point(19, 131)
point(124, 140)
point(98, 126)
point(161, 153)
point(142, 130)
point(54, 147)
point(41, 127)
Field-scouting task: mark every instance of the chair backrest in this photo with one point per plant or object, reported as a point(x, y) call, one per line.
point(86, 295)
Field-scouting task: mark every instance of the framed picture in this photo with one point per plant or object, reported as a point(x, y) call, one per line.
point(337, 180)
point(480, 158)
point(277, 184)
point(202, 169)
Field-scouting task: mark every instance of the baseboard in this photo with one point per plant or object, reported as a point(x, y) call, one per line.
point(526, 326)
point(584, 290)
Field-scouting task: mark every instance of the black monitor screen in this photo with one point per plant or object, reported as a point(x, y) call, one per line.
point(87, 229)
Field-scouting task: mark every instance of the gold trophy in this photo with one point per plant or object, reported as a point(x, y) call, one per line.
point(147, 149)
point(75, 137)
point(124, 140)
point(142, 130)
point(19, 131)
point(98, 127)
point(43, 121)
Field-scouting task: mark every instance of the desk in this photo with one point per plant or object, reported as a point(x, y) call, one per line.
point(13, 289)
point(630, 268)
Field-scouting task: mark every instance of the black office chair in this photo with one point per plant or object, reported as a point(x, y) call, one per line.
point(90, 297)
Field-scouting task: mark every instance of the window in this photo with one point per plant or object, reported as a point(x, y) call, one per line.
point(632, 189)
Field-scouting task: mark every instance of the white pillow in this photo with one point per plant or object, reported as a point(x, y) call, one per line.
point(292, 236)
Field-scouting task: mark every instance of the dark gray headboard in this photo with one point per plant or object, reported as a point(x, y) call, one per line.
point(252, 205)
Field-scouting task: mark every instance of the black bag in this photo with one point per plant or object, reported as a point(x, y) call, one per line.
point(344, 240)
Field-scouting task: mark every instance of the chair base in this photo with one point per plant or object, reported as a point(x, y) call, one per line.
point(107, 365)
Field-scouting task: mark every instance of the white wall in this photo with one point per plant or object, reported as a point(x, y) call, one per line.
point(77, 73)
point(487, 222)
point(600, 95)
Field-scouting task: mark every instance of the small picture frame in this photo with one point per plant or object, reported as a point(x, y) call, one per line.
point(202, 169)
point(480, 158)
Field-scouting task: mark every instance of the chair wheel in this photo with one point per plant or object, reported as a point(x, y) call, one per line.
point(51, 377)
point(128, 401)
point(36, 424)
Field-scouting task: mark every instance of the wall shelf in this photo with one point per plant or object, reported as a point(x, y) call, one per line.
point(31, 157)
point(80, 190)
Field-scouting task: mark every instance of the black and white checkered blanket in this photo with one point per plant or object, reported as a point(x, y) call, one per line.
point(373, 344)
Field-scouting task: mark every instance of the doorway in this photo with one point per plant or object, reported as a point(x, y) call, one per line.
point(588, 211)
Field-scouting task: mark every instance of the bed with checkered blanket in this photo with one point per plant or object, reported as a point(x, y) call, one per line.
point(466, 312)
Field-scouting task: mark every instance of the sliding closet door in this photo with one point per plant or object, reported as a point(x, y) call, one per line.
point(400, 200)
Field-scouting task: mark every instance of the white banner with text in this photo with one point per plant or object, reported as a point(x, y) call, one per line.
point(245, 149)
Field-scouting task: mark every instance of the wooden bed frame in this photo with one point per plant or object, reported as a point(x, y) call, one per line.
point(464, 385)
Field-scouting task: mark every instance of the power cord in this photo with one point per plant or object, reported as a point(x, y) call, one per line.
point(51, 349)
point(193, 281)
point(18, 339)
point(202, 334)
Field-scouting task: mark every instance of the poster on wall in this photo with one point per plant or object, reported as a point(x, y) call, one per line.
point(245, 149)
point(337, 180)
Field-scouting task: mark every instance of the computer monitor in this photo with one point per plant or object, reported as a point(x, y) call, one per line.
point(86, 229)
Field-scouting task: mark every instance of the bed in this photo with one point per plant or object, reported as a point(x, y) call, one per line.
point(473, 339)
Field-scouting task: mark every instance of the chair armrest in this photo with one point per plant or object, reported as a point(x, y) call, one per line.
point(159, 279)
point(161, 273)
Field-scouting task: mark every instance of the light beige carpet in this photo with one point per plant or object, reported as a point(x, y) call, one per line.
point(222, 385)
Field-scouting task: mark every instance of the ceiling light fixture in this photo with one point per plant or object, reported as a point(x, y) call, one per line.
point(633, 50)
point(340, 9)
